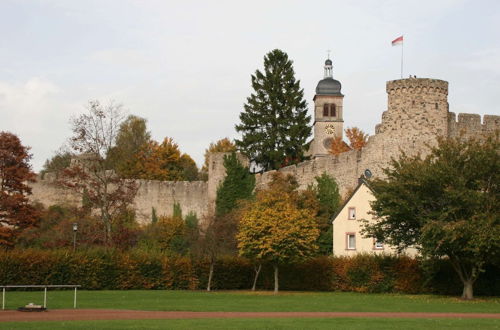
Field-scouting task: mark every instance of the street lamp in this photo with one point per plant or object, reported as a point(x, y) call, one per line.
point(75, 229)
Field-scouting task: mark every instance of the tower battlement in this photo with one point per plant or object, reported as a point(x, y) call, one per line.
point(469, 125)
point(416, 107)
point(417, 85)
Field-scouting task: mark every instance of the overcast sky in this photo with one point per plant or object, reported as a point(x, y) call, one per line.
point(185, 66)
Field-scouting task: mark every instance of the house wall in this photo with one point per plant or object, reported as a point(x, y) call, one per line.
point(342, 226)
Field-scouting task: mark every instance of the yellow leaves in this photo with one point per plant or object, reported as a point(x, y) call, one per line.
point(273, 227)
point(162, 161)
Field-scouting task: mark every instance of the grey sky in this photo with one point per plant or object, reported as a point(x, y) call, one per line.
point(185, 65)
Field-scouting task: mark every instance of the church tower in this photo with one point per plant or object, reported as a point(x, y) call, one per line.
point(328, 112)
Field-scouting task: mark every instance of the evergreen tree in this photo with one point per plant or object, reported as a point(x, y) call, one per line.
point(238, 184)
point(327, 193)
point(274, 124)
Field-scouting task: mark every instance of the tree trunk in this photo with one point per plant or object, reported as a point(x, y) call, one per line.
point(210, 274)
point(257, 272)
point(468, 290)
point(276, 284)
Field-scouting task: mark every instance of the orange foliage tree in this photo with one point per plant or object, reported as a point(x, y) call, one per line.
point(16, 213)
point(164, 161)
point(357, 140)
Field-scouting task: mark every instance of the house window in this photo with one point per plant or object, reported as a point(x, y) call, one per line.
point(350, 241)
point(351, 213)
point(377, 245)
point(325, 110)
point(333, 110)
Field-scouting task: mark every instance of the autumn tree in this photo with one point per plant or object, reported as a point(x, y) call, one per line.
point(60, 161)
point(357, 140)
point(132, 137)
point(274, 123)
point(217, 238)
point(277, 227)
point(164, 161)
point(238, 185)
point(446, 204)
point(94, 135)
point(16, 212)
point(223, 145)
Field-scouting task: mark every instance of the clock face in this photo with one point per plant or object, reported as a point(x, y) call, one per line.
point(329, 129)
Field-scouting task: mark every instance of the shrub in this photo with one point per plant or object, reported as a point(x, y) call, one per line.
point(99, 268)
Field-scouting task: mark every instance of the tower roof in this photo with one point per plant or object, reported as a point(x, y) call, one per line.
point(328, 86)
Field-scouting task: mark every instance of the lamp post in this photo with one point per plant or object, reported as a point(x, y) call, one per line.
point(75, 229)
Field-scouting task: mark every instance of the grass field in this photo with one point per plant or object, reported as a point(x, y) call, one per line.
point(246, 301)
point(320, 323)
point(258, 302)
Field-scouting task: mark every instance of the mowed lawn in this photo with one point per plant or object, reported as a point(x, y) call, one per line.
point(247, 301)
point(258, 302)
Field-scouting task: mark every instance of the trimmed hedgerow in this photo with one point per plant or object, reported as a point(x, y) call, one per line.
point(97, 269)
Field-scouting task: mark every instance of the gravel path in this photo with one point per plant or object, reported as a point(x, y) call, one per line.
point(106, 314)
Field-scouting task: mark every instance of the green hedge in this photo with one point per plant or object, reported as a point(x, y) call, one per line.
point(102, 269)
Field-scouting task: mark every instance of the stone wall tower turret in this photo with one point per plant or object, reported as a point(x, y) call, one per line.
point(417, 109)
point(328, 113)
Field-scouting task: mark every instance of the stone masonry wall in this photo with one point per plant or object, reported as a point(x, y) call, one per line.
point(417, 113)
point(191, 196)
point(469, 125)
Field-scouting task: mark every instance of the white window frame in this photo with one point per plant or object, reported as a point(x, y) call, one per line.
point(351, 216)
point(347, 243)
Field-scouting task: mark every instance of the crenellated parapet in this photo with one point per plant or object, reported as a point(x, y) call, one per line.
point(416, 86)
point(469, 125)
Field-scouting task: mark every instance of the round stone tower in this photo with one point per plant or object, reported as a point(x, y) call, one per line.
point(328, 112)
point(417, 109)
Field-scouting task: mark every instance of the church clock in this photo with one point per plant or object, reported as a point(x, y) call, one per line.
point(329, 129)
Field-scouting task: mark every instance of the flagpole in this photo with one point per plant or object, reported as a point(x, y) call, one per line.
point(402, 44)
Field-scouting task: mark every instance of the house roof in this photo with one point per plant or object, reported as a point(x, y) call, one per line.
point(361, 181)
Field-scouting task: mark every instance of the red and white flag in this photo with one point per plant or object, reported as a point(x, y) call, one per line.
point(397, 41)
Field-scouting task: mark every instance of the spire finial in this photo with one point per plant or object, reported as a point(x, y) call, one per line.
point(328, 51)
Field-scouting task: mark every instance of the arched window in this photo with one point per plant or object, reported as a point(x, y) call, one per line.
point(333, 110)
point(325, 110)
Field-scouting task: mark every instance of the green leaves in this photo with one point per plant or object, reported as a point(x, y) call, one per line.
point(447, 203)
point(238, 184)
point(274, 124)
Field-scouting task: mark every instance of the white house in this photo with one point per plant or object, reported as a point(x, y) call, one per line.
point(347, 226)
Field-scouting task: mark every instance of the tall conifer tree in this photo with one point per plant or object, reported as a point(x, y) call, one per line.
point(274, 124)
point(238, 184)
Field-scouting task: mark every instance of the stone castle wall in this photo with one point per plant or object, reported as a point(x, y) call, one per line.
point(161, 195)
point(469, 125)
point(417, 113)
